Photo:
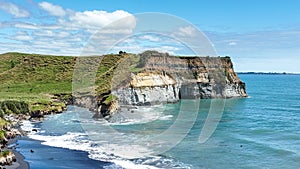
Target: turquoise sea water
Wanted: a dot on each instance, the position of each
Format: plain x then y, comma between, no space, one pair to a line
262,131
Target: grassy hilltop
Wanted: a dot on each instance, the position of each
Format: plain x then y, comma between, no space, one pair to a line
34,79
41,80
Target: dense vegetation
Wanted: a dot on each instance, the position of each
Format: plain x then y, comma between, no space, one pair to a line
12,106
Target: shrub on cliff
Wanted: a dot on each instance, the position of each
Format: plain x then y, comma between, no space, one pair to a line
5,153
109,98
2,135
1,113
11,106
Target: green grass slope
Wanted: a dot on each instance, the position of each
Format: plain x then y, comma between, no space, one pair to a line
38,79
34,78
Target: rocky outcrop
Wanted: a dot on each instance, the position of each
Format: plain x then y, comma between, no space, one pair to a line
52,109
7,158
106,110
149,88
87,101
167,79
103,105
7,132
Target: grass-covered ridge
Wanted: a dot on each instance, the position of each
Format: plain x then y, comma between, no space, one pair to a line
40,80
34,79
35,74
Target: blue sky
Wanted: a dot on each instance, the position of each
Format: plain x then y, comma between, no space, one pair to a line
259,35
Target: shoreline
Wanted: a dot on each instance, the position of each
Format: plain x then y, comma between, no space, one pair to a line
20,158
22,164
49,157
14,132
43,155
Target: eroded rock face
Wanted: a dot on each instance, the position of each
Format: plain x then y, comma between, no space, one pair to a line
167,79
7,159
87,101
149,88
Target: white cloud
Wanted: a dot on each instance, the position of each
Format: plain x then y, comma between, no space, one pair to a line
22,37
195,40
70,33
98,19
167,49
186,31
26,26
51,34
150,38
13,10
232,43
53,10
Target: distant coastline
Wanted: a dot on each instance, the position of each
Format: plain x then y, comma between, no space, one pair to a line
268,73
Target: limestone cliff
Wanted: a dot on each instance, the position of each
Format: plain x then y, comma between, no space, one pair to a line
167,79
149,88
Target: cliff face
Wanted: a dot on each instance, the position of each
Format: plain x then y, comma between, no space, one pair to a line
167,79
149,88
155,78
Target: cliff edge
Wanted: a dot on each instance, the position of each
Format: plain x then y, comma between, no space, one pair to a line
166,79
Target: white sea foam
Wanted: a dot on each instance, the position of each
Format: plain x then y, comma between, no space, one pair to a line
166,117
73,141
131,165
80,142
141,115
27,126
118,148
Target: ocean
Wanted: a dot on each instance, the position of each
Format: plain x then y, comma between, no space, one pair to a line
261,131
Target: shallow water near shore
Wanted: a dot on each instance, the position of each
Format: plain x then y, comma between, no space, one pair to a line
45,157
262,131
